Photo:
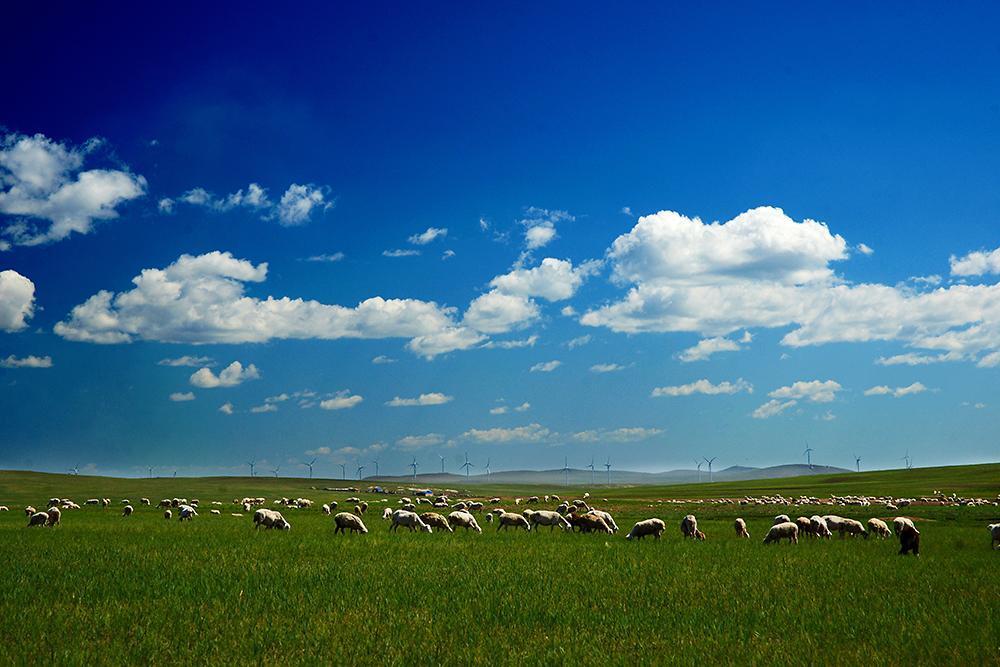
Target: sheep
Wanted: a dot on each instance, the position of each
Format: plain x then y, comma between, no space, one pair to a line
127,510
215,512
489,518
788,530
804,524
333,505
781,518
511,519
144,501
126,501
106,502
435,520
608,519
270,519
699,535
589,523
494,501
899,522
357,510
819,527
346,521
532,499
563,508
4,508
387,513
833,522
654,527
475,507
38,519
29,510
994,529
852,527
407,507
409,519
186,512
54,501
362,507
326,509
878,527
54,516
168,515
586,495
92,501
689,526
741,528
909,540
165,503
547,518
555,498
352,499
464,520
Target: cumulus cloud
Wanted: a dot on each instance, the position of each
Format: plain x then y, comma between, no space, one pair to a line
511,344
226,408
266,407
44,187
230,376
296,206
180,397
425,237
342,400
202,299
412,442
17,301
706,347
897,392
976,263
327,258
815,391
704,387
553,279
433,398
29,361
504,409
383,359
631,434
546,366
773,408
400,252
496,312
540,226
298,203
447,254
865,249
606,368
319,451
579,341
911,359
530,433
187,360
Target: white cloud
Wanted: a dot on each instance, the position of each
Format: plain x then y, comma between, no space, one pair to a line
382,359
400,252
976,263
540,225
298,203
898,392
553,279
815,391
43,185
266,407
412,442
495,312
579,341
279,398
606,368
447,254
511,344
991,360
504,409
530,433
546,366
911,359
827,416
319,451
626,210
704,387
226,408
772,408
568,311
706,347
425,237
230,376
342,400
433,398
17,300
179,397
499,410
187,360
202,299
865,249
524,407
631,434
29,361
295,207
327,258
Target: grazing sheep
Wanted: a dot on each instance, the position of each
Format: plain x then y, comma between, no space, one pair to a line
804,524
270,519
407,507
532,499
586,495
787,530
435,520
555,498
106,502
54,501
608,519
345,521
362,507
357,510
127,510
92,501
654,527
475,507
852,528
409,519
464,520
547,518
589,523
326,509
186,512
899,522
215,512
54,516
994,529
563,508
781,518
689,525
333,505
909,540
29,510
511,519
387,513
38,519
698,535
4,508
879,527
819,527
168,515
494,501
741,528
489,518
833,522
144,501
165,503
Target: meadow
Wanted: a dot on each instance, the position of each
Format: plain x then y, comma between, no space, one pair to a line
103,589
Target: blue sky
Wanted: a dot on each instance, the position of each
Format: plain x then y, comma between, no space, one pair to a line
167,179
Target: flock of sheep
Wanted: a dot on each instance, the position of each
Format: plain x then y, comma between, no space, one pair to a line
568,515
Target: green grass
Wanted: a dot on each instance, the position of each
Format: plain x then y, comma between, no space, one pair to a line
102,589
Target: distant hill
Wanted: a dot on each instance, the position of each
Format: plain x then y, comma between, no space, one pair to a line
583,477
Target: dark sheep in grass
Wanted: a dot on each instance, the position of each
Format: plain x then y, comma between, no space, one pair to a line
909,541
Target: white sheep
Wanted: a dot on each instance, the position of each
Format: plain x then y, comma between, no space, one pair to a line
4,508
465,520
167,514
787,530
270,519
408,519
29,510
326,509
741,528
819,526
435,520
215,512
144,501
879,527
186,512
689,526
852,527
345,521
546,518
654,527
510,519
994,529
781,518
899,522
38,519
608,519
127,510
54,516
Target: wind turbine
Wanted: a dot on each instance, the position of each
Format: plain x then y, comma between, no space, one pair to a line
343,471
75,470
608,466
175,474
909,461
275,471
591,466
467,465
487,468
360,468
442,463
310,466
857,462
699,464
710,462
414,465
565,470
250,463
808,453
150,468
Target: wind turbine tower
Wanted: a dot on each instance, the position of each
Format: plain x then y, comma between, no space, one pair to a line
310,466
608,466
808,453
857,462
566,471
710,461
414,465
252,463
467,465
699,464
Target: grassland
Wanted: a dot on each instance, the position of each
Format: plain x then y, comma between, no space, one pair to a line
102,589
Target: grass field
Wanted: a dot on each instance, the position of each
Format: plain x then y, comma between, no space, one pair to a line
102,589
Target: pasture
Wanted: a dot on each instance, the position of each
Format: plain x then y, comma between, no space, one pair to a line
103,589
